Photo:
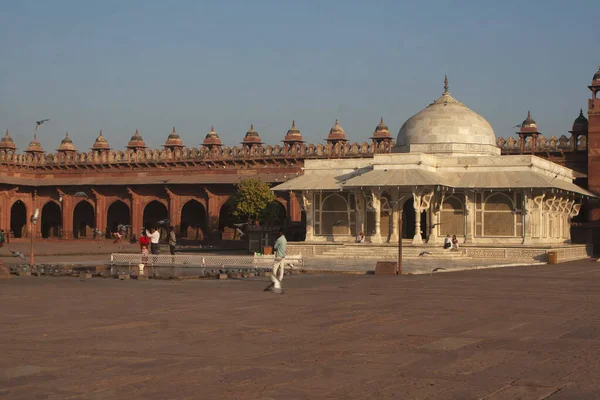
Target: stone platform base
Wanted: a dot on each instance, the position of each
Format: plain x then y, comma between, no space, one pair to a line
565,252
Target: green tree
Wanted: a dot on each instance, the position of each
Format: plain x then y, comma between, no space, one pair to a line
251,199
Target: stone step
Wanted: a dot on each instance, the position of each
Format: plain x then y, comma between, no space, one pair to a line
391,254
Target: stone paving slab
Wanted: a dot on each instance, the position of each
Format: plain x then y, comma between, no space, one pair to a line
510,333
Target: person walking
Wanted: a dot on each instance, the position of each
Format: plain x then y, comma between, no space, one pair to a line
278,264
172,241
2,238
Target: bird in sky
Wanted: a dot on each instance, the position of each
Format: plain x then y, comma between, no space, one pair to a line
437,269
424,253
517,126
17,254
38,123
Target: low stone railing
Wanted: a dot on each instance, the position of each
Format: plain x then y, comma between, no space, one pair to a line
197,260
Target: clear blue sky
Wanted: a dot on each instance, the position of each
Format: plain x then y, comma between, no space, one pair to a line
120,65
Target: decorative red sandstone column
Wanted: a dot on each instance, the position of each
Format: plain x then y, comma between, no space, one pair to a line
136,213
100,223
174,209
67,217
213,218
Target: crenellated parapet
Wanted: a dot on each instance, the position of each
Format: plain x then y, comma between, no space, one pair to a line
541,144
193,155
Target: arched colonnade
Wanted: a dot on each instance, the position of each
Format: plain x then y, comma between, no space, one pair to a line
95,215
482,216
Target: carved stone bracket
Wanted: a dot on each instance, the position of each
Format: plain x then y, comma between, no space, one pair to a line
549,202
133,194
538,201
422,200
306,200
575,210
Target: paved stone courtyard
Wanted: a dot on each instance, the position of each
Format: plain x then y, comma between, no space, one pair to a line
510,333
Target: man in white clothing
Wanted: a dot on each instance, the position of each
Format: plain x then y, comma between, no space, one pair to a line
154,238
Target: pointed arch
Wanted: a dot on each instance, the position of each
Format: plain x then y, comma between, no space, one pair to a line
452,217
118,213
334,215
498,216
83,220
193,220
18,219
51,220
153,212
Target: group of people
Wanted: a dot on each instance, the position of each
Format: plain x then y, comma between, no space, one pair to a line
150,241
451,243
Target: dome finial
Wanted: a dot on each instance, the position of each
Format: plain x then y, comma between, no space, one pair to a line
446,84
67,135
6,133
293,124
580,113
528,114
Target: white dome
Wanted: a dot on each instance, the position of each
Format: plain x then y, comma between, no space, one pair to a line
447,126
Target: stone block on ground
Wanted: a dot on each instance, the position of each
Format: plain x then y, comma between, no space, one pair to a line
124,277
222,276
85,275
234,275
386,268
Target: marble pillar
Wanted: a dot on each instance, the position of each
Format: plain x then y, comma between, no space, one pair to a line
469,216
360,211
396,205
307,203
375,197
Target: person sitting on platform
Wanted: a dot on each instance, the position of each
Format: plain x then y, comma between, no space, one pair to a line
447,242
454,243
360,238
